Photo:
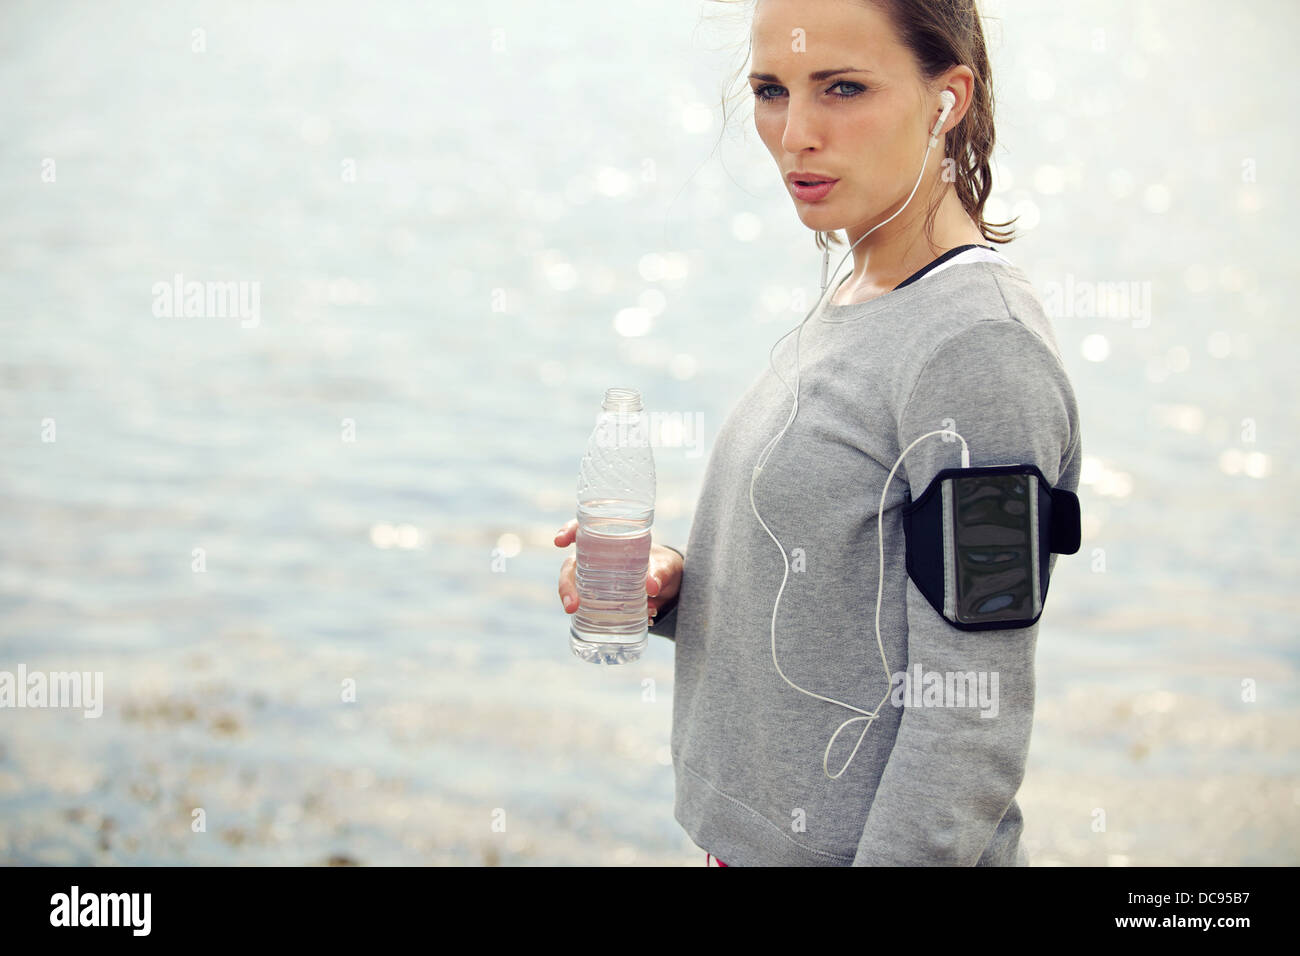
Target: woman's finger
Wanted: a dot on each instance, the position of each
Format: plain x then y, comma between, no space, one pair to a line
568,588
660,577
568,531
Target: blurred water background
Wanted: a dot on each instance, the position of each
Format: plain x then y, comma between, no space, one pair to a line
465,221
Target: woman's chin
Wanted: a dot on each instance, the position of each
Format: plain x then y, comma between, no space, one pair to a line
818,221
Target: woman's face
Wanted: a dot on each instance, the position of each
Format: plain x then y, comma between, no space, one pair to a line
865,127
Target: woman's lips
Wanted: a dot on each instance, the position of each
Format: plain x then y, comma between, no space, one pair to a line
813,193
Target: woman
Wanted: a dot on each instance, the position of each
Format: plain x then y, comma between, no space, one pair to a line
933,331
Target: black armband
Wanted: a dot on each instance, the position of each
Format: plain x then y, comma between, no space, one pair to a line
979,541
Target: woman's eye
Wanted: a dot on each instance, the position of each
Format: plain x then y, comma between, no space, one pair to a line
765,94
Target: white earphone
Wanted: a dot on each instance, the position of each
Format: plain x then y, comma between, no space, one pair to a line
948,100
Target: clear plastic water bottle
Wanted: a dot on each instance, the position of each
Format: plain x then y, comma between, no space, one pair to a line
616,507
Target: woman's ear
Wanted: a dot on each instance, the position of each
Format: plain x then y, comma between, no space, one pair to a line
960,81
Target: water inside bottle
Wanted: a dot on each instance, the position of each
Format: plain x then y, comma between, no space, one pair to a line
610,625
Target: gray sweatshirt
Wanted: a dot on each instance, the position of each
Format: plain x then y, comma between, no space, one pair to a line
970,348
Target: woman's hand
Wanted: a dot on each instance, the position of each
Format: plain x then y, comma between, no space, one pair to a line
662,581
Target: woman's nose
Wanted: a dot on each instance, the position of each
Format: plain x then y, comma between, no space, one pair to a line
800,132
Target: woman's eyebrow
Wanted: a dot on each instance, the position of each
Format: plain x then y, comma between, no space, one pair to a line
813,77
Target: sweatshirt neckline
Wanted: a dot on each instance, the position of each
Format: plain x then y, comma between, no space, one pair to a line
833,314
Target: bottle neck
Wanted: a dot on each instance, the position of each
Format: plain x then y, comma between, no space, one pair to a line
622,400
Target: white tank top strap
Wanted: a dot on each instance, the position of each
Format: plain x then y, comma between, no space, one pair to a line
969,255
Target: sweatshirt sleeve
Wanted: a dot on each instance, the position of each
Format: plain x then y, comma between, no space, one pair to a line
665,624
953,771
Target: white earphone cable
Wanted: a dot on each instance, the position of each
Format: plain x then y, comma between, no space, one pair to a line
767,450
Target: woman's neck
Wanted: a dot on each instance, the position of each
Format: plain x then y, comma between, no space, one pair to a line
901,248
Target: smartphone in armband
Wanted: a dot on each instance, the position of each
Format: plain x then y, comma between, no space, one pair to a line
979,541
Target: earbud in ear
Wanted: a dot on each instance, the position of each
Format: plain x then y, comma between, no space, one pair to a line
949,100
